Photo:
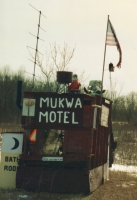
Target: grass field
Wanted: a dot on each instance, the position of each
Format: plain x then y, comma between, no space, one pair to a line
122,185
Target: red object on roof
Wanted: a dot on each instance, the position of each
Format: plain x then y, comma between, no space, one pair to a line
75,85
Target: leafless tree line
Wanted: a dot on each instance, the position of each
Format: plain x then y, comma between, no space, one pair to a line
124,108
57,59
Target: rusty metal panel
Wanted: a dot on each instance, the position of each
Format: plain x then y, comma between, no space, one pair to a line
59,180
88,116
84,146
62,180
76,146
102,143
100,146
87,146
76,141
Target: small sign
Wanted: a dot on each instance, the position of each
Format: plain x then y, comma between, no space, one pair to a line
12,143
104,116
52,158
28,107
11,148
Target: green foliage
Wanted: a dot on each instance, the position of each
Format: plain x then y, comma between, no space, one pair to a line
9,112
124,108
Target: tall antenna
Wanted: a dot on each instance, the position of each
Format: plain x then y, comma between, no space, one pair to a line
36,50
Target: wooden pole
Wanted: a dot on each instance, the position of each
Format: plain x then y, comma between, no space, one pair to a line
104,62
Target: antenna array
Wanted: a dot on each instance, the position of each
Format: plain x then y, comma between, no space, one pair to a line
36,49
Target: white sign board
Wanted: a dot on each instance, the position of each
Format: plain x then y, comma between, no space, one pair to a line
28,107
104,116
12,142
52,158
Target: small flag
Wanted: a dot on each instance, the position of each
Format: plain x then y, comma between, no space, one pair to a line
111,40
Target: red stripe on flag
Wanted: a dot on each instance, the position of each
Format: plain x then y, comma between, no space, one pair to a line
111,40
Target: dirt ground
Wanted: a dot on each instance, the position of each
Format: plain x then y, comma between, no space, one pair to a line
121,186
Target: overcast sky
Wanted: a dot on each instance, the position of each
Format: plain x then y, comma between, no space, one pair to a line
80,23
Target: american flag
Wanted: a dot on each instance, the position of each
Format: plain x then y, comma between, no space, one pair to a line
111,40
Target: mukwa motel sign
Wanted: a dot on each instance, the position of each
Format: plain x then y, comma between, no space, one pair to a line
54,109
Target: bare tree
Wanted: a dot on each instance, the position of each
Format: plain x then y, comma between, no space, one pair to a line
131,107
57,59
114,95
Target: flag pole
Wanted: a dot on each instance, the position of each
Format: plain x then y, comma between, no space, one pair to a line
102,94
104,62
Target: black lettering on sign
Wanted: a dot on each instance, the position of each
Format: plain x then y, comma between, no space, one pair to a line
14,168
5,168
15,159
6,158
11,159
10,168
